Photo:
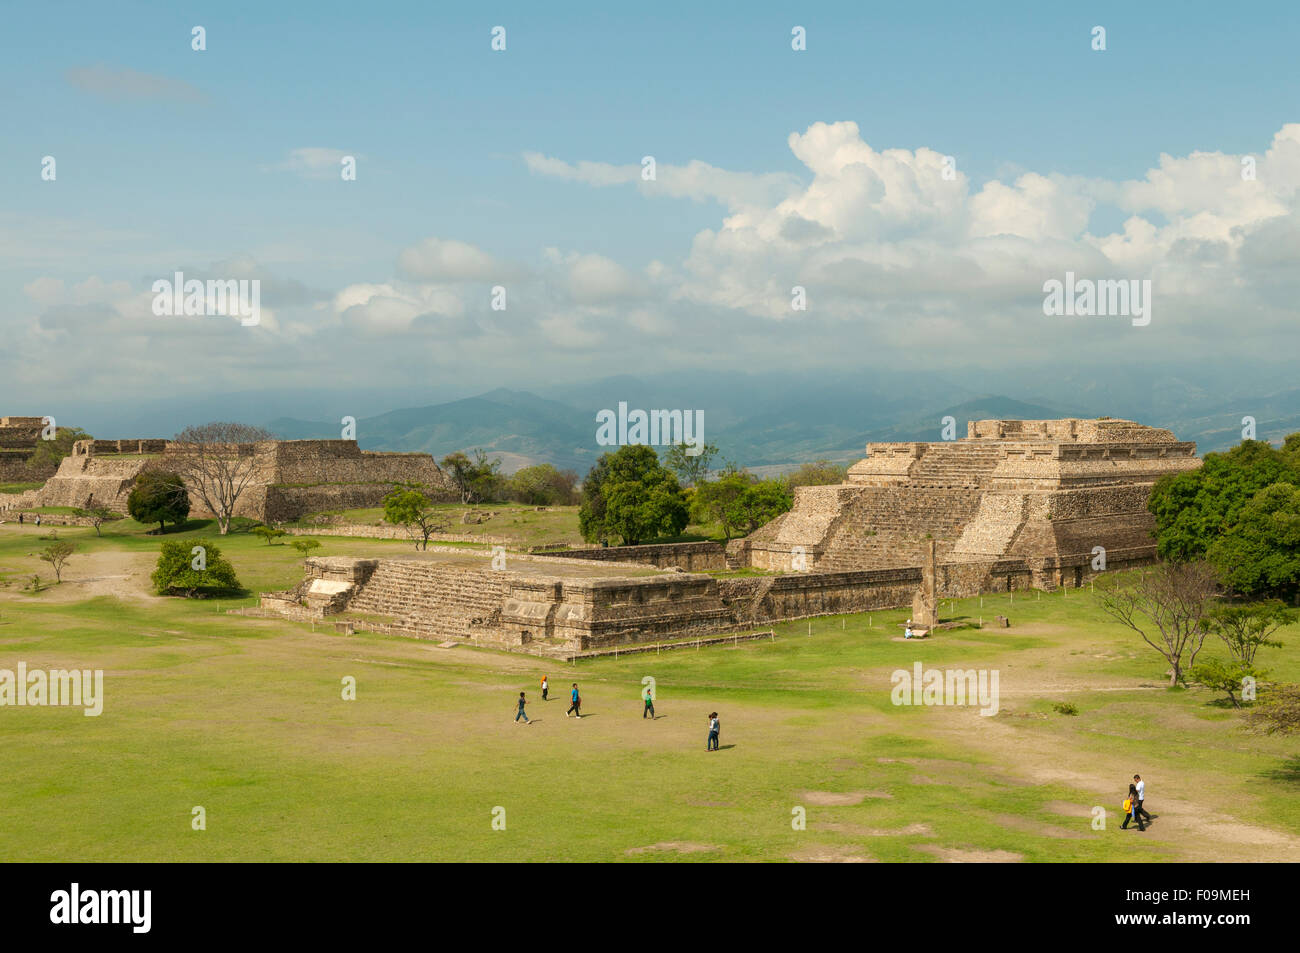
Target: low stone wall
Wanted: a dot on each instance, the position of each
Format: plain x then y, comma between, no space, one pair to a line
688,557
582,614
800,595
371,531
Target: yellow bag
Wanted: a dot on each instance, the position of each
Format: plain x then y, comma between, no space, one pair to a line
1128,804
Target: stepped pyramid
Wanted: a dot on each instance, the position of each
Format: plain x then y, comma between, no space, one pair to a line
1037,490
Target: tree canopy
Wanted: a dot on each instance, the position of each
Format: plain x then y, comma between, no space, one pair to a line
1259,554
629,494
181,569
1193,508
159,497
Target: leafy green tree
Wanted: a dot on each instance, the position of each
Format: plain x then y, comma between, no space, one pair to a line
1246,628
159,497
818,473
182,570
758,504
1260,553
690,469
543,485
458,467
591,512
629,494
1226,677
268,533
1193,508
713,500
639,513
305,546
97,516
57,554
412,507
476,480
1278,711
50,453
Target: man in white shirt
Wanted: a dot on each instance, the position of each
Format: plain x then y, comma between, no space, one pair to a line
1141,789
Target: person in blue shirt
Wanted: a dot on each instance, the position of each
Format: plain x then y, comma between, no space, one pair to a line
576,706
520,713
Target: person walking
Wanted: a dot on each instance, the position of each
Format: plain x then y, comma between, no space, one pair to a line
649,704
1131,810
521,713
545,687
1140,787
714,730
575,706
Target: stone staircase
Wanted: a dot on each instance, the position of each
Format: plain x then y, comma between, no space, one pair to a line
433,602
958,464
888,526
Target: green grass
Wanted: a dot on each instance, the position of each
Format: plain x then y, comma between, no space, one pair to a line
20,487
524,525
243,716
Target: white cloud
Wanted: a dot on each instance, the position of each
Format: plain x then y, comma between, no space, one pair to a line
313,162
696,180
438,259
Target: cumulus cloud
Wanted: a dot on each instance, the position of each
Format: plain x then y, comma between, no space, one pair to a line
439,259
903,259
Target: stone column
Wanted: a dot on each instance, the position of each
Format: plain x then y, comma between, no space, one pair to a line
925,604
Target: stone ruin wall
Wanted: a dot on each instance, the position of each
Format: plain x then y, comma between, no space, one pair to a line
1020,510
291,478
689,557
1052,489
18,441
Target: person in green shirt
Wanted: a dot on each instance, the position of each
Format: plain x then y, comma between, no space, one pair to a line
649,704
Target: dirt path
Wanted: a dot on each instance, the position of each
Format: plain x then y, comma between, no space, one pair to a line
87,575
1187,819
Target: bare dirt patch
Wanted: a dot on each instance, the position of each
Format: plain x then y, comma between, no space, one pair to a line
960,855
825,854
105,573
857,830
1192,825
672,847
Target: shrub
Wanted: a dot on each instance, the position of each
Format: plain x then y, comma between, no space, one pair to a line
182,570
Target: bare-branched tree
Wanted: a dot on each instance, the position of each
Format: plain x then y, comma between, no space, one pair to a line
218,464
1168,607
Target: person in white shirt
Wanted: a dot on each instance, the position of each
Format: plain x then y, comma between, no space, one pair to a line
1141,793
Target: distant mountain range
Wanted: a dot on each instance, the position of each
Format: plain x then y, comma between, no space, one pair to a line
765,424
769,421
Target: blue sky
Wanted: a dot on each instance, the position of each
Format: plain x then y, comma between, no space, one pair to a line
170,158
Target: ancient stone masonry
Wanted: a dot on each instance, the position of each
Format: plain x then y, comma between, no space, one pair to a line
18,441
1015,505
1052,492
290,477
